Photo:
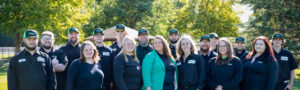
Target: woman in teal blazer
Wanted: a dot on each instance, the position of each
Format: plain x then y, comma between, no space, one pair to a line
159,69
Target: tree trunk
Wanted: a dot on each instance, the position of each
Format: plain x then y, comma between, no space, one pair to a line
18,42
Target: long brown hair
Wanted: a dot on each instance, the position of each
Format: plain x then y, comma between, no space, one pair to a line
229,52
126,39
179,50
166,48
268,50
95,56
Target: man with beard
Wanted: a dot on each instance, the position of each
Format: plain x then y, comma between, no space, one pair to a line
173,37
214,41
106,60
31,69
120,33
58,57
286,61
205,53
144,47
239,49
71,49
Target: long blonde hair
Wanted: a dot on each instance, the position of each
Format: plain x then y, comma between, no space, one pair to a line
179,50
126,39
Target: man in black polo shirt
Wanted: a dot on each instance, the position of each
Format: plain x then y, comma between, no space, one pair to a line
31,69
106,60
239,48
58,57
120,32
286,61
173,37
213,41
144,47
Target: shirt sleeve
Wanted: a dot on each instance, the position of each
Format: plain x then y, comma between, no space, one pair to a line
119,69
272,74
50,74
237,78
12,83
72,76
293,64
147,69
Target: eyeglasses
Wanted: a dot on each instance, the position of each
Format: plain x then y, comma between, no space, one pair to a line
120,31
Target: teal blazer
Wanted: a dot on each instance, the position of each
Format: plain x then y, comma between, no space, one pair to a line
153,70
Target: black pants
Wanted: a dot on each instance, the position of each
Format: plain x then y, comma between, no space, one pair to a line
169,87
188,88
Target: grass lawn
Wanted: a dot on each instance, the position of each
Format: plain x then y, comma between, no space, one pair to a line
5,56
3,79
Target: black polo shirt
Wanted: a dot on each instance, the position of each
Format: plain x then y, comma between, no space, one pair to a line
115,48
286,62
242,55
173,50
106,63
142,52
31,72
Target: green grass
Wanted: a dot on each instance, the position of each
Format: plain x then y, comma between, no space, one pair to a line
5,56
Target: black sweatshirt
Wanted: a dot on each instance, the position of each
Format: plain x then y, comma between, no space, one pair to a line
169,74
106,62
82,75
61,57
242,55
31,72
173,50
262,74
127,74
286,63
191,72
115,48
228,75
141,52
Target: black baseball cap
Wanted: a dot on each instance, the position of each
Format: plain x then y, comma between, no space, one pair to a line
173,30
30,33
73,29
211,35
204,37
277,35
98,30
120,26
242,39
141,31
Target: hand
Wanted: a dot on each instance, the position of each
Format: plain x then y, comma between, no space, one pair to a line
111,85
54,62
148,88
59,67
288,87
219,87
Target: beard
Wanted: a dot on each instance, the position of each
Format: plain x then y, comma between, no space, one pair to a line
173,41
204,50
144,44
30,48
239,49
47,47
73,42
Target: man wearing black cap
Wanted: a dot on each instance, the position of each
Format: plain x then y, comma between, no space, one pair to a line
58,57
214,41
239,48
173,37
72,48
31,69
106,56
286,61
205,53
120,33
144,47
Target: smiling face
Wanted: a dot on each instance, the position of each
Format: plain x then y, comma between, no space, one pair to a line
204,45
277,42
185,45
129,46
158,44
260,46
120,33
88,51
173,37
239,45
73,37
98,38
47,41
213,41
223,48
143,39
31,43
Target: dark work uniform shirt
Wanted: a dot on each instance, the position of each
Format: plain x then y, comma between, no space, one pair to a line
169,74
262,74
84,76
286,63
173,50
191,72
242,55
207,57
61,57
106,62
127,74
227,75
141,52
115,48
30,72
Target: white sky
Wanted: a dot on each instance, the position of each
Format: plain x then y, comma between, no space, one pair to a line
245,12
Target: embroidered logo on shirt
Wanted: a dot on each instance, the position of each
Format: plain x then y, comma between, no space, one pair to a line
105,53
191,62
284,58
114,49
21,60
229,64
178,64
40,59
260,62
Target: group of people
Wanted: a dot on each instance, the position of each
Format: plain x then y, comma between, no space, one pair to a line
126,65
